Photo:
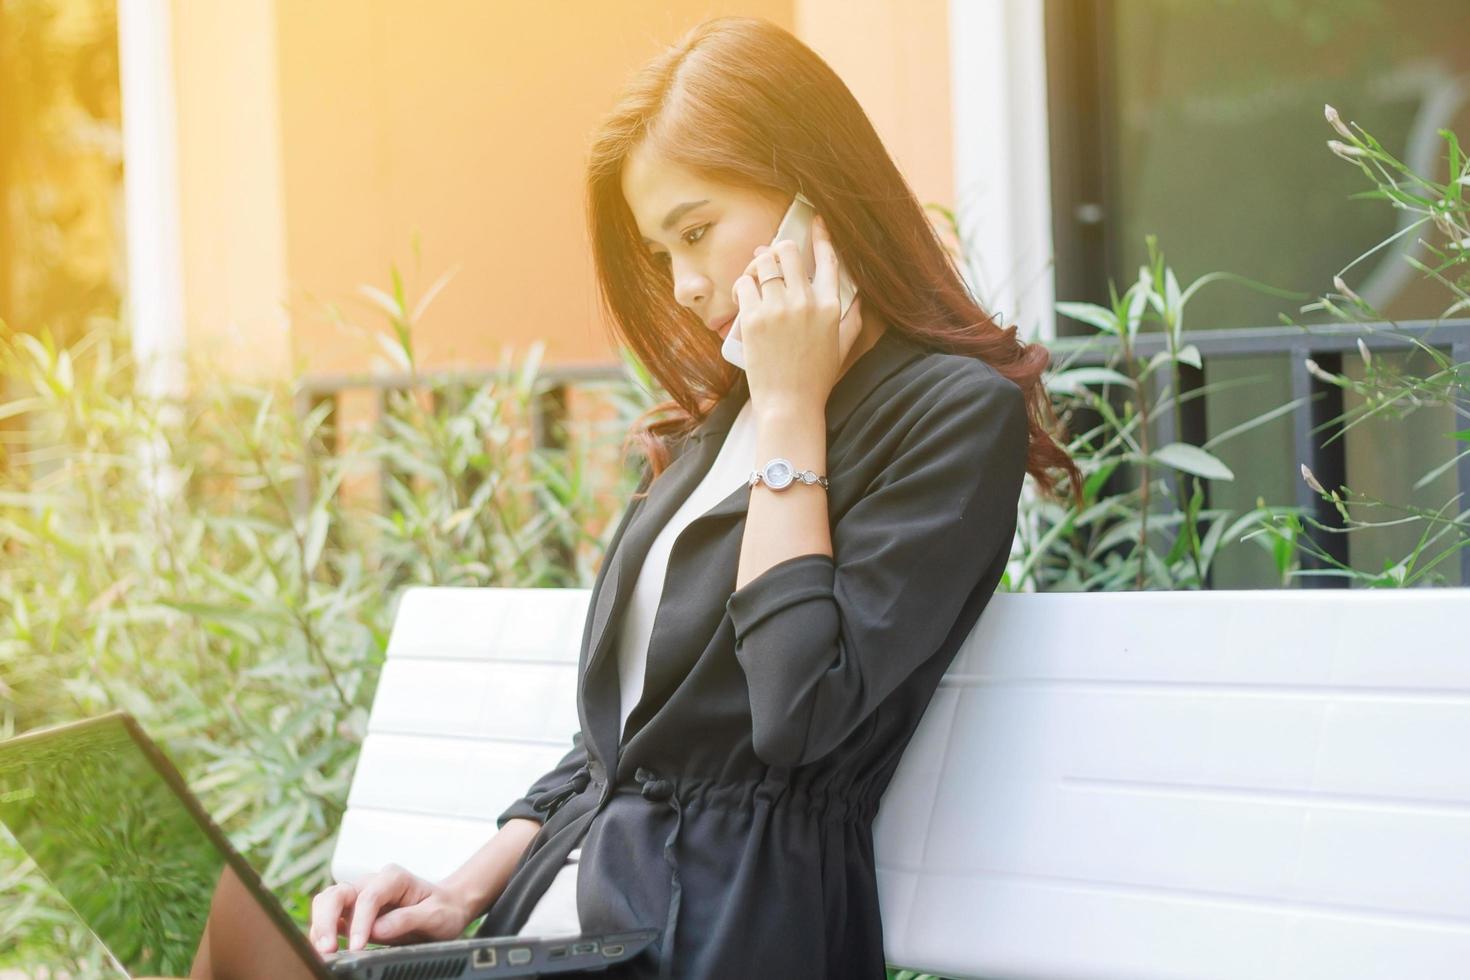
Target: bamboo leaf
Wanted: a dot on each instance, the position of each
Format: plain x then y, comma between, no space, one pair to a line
20,406
1192,459
1077,377
316,536
433,291
1089,313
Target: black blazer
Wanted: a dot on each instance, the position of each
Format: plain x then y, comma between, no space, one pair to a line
736,814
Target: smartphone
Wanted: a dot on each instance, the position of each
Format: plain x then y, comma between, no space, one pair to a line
796,226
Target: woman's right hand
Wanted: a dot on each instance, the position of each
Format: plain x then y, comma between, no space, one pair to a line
391,906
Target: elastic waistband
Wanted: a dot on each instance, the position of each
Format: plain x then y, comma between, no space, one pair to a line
743,795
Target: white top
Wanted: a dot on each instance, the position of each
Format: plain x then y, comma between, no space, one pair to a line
730,470
556,912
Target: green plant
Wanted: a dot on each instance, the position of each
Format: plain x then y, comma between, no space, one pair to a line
1383,391
1155,533
200,561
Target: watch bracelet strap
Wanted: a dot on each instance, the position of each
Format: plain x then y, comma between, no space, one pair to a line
809,477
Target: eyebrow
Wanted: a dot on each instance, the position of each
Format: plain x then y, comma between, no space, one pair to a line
677,212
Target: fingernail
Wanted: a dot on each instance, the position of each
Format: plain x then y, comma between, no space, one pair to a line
325,945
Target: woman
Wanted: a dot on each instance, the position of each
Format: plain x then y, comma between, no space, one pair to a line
731,760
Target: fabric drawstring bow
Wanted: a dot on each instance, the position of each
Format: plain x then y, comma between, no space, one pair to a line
657,789
552,799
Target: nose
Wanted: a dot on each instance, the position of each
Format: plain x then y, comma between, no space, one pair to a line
692,287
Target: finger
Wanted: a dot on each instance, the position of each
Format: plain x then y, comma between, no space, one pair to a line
824,278
748,299
326,915
400,922
768,274
750,267
793,267
327,908
389,923
364,911
329,944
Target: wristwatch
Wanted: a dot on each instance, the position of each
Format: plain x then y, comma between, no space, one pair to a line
778,474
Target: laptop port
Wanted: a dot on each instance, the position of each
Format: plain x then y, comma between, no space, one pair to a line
517,955
581,948
557,953
484,957
612,949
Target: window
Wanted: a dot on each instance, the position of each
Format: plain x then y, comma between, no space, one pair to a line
1201,121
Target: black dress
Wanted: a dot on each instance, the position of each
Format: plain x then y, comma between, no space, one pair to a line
736,812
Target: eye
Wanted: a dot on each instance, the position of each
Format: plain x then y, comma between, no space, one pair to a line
662,258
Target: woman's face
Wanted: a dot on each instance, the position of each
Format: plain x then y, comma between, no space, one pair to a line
705,247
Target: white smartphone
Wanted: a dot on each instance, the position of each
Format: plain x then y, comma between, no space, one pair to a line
796,226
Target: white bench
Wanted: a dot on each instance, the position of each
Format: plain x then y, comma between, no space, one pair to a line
1147,785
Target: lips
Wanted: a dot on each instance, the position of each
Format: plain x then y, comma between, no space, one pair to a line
723,327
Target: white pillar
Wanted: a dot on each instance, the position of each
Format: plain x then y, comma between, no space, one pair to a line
155,283
154,302
1002,161
1003,174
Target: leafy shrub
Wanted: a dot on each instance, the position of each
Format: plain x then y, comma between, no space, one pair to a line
202,562
1155,533
1430,206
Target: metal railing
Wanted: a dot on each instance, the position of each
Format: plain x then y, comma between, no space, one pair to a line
1321,401
1311,425
548,408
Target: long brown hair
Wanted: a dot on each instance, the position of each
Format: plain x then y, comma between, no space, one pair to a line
742,102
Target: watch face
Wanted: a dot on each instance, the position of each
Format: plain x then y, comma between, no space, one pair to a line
778,474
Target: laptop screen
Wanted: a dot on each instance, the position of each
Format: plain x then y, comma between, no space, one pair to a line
103,826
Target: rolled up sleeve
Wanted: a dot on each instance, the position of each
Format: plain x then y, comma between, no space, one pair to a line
823,640
569,764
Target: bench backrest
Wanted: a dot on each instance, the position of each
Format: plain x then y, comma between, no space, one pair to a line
1192,785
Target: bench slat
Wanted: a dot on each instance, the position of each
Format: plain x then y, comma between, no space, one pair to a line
1185,786
999,927
458,622
473,780
429,846
482,699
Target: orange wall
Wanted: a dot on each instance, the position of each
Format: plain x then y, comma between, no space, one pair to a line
895,58
232,217
461,124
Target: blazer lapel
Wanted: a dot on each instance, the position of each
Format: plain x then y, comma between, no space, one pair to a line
600,693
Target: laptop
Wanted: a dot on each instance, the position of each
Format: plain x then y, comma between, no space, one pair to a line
111,824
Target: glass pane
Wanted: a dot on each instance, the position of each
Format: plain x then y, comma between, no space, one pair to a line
1386,457
1260,458
1221,143
1220,150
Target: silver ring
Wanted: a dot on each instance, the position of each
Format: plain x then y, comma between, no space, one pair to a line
772,279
